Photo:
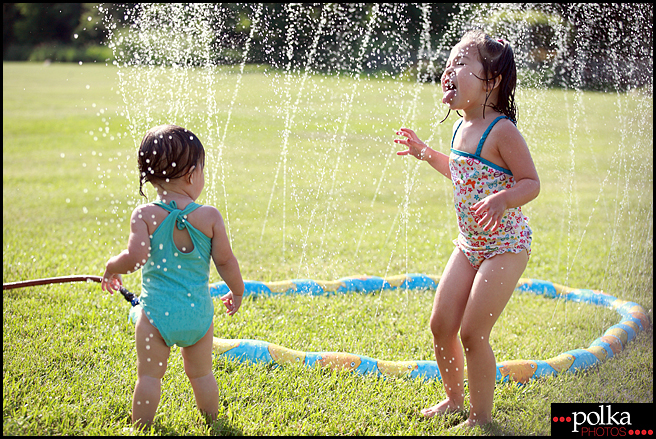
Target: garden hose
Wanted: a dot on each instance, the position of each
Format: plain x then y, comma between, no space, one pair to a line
134,300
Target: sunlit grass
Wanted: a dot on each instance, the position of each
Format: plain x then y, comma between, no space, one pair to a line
68,188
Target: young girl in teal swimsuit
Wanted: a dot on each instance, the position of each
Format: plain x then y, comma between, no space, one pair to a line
172,240
493,175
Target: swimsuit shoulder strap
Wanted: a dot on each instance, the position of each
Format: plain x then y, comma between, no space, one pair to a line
180,215
485,134
455,131
174,206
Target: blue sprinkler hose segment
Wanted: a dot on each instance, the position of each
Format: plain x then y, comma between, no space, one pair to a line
614,340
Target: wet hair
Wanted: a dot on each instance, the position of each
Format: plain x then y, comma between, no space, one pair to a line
167,152
498,59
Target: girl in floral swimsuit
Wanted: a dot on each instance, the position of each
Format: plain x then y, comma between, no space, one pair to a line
493,175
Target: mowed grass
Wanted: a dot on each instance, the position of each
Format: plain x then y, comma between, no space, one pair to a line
326,199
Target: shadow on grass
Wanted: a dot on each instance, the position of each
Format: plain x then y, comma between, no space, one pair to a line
494,428
223,428
220,427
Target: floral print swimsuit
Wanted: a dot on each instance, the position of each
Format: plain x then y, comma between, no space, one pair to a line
475,178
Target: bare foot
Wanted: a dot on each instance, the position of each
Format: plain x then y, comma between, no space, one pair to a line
445,407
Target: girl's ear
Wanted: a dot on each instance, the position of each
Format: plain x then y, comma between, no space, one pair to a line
495,83
189,176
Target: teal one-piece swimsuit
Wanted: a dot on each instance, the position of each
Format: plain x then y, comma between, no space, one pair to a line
175,285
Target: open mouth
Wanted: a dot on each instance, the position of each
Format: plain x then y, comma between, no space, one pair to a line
449,90
448,85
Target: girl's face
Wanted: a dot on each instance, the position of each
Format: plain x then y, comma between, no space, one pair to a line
462,89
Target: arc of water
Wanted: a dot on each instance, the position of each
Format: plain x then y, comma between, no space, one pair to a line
290,111
323,20
411,169
373,18
212,102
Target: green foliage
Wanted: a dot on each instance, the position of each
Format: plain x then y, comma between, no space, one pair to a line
68,350
69,53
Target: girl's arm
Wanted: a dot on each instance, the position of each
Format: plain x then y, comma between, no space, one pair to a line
514,152
227,265
131,259
421,151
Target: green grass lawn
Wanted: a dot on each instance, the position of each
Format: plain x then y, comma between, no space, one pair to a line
326,199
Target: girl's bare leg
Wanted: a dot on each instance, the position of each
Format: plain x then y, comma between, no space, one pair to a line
198,367
448,309
492,288
152,357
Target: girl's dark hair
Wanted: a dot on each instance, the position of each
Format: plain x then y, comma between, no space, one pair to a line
498,59
167,152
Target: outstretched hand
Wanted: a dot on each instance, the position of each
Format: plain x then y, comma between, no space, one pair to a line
415,146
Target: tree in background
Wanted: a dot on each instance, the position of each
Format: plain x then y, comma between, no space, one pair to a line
55,31
600,39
